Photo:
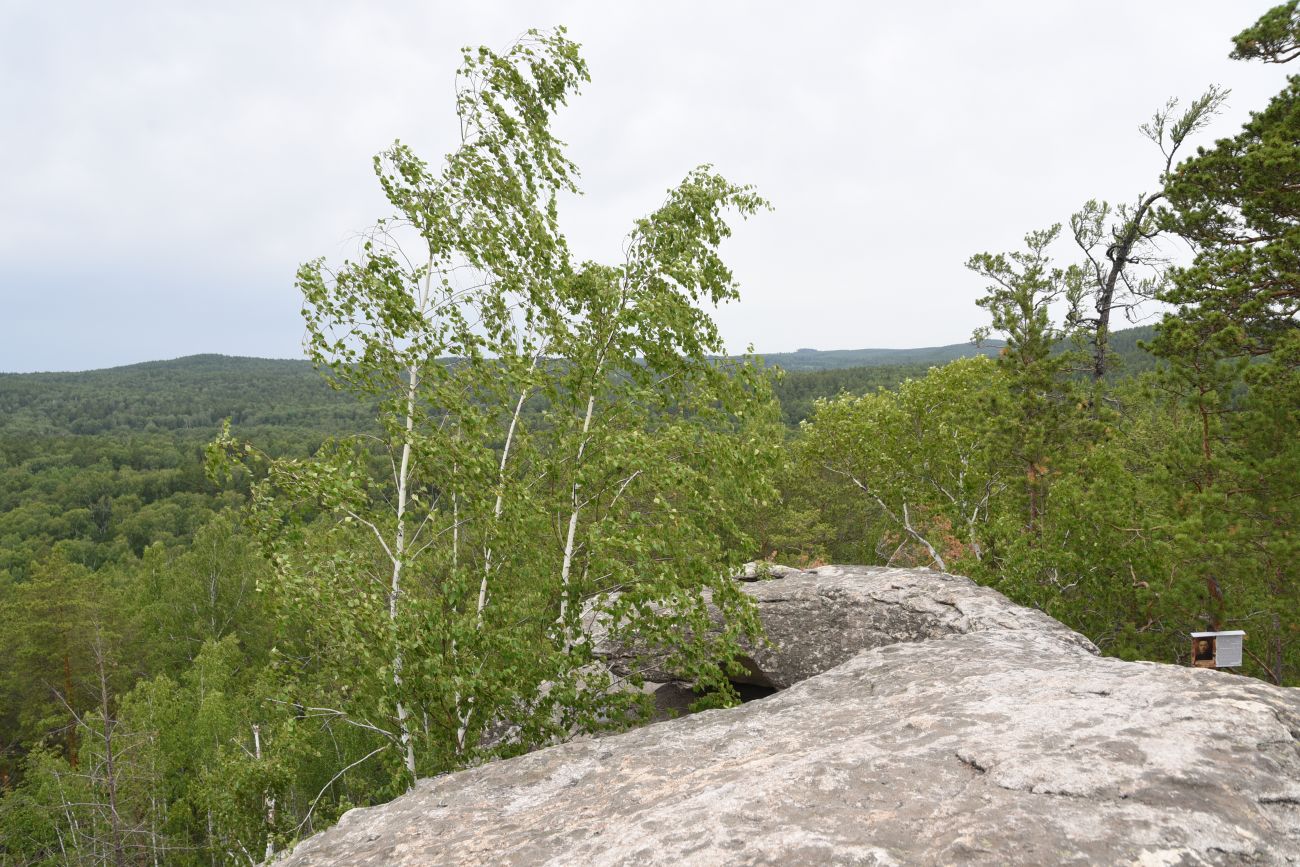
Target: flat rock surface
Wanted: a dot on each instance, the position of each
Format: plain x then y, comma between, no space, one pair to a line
818,619
1004,740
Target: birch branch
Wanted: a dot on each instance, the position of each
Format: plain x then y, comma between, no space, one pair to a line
905,521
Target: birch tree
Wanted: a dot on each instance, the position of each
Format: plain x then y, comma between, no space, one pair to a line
557,441
921,462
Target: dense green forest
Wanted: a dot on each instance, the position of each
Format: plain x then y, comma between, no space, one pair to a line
99,465
194,393
239,596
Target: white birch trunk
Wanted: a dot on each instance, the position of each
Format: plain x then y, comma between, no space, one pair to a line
566,567
399,543
500,500
395,584
463,717
269,800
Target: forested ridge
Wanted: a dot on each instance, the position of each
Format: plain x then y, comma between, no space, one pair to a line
192,393
101,464
198,392
240,596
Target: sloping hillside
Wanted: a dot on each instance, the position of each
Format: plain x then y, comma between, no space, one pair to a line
836,359
196,392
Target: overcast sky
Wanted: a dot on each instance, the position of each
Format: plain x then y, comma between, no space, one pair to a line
164,167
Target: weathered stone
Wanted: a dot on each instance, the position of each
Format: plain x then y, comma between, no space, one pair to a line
987,734
817,619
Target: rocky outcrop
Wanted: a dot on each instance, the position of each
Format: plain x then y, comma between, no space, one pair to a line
817,619
941,724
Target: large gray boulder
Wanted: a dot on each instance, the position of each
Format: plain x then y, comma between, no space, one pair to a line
984,733
817,619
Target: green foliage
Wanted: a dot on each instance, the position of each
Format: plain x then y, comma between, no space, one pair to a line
1136,511
538,449
919,462
1274,38
1233,353
435,584
1041,391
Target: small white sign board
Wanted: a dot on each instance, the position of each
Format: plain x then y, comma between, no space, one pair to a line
1217,649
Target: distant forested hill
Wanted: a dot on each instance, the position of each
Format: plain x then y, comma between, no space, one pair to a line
1123,343
1132,358
838,359
189,397
195,393
98,465
192,393
812,374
